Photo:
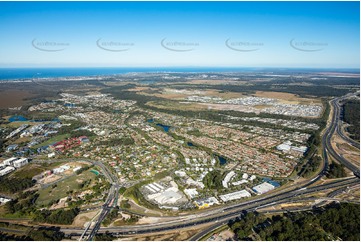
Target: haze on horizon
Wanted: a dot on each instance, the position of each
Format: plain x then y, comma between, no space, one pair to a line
173,34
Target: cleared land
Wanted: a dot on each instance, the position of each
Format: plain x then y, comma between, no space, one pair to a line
287,98
14,98
82,218
60,191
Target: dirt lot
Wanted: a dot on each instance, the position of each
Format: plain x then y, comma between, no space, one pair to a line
346,150
82,218
217,82
171,236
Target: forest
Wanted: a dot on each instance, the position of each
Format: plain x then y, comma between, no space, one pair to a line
334,222
351,115
59,216
13,185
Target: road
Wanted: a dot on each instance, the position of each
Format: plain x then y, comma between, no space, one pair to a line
109,203
226,214
326,140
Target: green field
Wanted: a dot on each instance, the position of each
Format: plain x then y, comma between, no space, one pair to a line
53,140
32,170
70,184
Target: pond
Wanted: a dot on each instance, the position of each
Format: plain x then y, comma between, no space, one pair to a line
165,127
190,144
222,160
17,118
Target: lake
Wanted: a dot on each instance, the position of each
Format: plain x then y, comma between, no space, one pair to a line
17,118
222,160
165,127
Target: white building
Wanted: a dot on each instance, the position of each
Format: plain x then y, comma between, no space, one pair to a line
301,149
228,177
180,173
51,155
10,161
239,182
283,147
76,168
7,170
169,196
21,162
245,176
191,193
263,188
4,200
235,195
252,177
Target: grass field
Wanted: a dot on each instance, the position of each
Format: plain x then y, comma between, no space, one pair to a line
31,170
53,140
70,184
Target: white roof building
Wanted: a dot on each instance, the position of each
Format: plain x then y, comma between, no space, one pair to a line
7,170
301,149
263,188
169,196
191,193
21,162
283,147
10,161
227,179
235,195
180,173
245,176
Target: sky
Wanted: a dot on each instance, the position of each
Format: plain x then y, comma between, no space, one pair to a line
180,34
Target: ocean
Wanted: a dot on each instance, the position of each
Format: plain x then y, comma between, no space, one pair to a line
25,73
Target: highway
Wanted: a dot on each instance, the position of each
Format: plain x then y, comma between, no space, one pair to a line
326,140
109,203
226,214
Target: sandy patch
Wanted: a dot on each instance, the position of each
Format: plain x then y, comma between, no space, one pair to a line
82,218
217,82
287,97
50,179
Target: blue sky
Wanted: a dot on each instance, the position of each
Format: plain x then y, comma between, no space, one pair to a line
259,34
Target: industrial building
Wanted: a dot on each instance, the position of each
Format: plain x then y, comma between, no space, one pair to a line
235,195
263,188
191,192
169,196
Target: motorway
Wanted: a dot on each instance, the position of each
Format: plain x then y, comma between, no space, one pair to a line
326,140
225,214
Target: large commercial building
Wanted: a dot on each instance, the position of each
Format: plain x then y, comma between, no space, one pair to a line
235,195
263,188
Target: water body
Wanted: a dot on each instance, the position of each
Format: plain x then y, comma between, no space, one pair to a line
150,120
17,118
25,73
165,127
190,144
222,160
